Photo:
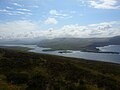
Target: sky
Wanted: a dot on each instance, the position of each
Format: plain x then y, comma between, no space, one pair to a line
59,18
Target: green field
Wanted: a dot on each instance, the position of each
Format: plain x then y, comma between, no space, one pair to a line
20,70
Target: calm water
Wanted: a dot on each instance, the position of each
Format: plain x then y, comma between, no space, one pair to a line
110,48
85,55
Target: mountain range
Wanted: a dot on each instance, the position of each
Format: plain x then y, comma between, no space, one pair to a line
84,44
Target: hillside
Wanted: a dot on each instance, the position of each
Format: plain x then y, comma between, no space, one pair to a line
115,40
29,71
83,44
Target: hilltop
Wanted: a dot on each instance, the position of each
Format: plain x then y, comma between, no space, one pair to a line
30,71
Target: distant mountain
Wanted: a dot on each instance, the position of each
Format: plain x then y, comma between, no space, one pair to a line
115,40
85,44
20,41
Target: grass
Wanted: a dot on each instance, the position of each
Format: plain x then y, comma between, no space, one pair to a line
31,71
16,48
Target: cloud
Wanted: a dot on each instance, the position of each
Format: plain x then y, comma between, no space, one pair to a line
105,29
94,30
4,10
16,4
23,9
58,14
27,29
17,26
12,12
51,21
20,13
9,8
104,4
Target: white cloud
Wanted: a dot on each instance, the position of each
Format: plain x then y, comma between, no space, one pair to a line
53,12
27,29
19,13
23,9
58,14
9,8
104,4
4,10
51,21
22,13
16,4
15,12
15,9
17,26
106,29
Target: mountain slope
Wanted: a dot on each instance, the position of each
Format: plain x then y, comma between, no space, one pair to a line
83,44
115,40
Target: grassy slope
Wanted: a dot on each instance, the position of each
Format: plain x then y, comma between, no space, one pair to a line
21,70
16,48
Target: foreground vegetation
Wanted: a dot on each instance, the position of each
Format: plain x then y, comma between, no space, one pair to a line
15,48
29,71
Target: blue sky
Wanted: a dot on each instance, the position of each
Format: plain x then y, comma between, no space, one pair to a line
56,14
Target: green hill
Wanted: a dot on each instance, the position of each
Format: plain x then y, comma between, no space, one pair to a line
30,71
83,44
